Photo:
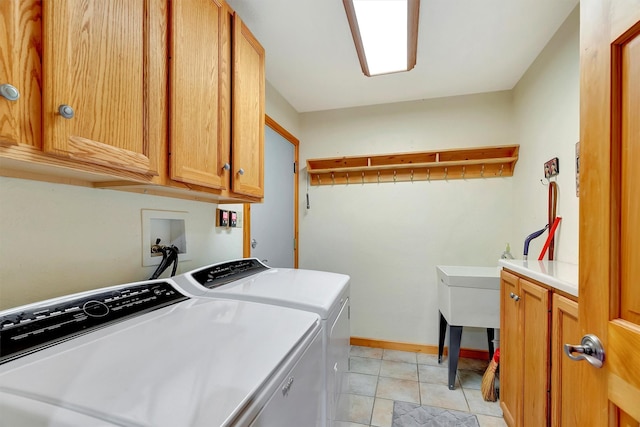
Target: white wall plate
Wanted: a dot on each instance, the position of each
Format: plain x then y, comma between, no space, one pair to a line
171,227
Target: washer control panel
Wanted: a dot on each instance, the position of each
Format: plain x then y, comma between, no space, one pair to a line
221,274
42,325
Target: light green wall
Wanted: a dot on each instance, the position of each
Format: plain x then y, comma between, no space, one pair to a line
390,237
546,105
58,239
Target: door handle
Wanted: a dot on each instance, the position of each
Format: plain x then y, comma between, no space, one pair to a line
254,243
590,349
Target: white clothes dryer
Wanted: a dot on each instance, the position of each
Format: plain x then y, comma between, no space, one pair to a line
324,293
145,354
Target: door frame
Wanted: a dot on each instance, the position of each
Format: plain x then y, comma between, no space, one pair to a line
246,233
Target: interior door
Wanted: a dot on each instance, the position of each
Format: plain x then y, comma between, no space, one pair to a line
272,222
609,297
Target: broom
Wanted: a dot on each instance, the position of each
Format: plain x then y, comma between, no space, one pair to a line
488,387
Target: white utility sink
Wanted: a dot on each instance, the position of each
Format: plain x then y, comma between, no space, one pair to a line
469,296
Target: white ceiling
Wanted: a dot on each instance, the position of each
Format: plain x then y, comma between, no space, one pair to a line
464,47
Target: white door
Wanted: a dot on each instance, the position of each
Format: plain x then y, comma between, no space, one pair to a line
272,222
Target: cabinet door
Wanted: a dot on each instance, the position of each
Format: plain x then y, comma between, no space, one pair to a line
534,306
93,63
565,374
248,112
20,38
199,85
510,350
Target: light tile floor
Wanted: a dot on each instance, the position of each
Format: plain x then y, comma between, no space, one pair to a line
378,377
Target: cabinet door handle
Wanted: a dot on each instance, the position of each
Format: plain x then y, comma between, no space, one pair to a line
9,92
66,111
514,296
240,171
226,166
590,349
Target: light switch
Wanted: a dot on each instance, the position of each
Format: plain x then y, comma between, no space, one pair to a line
222,218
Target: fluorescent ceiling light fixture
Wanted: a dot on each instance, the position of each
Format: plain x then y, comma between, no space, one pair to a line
385,33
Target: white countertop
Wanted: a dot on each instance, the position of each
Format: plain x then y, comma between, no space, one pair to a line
559,275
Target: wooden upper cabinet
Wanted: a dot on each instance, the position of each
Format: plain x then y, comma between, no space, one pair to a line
94,73
248,112
200,49
20,35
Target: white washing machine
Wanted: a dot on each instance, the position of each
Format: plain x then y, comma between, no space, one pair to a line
144,354
324,293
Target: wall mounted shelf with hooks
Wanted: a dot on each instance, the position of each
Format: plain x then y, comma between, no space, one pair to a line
464,163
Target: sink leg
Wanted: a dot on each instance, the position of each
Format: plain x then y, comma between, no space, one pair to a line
455,335
490,335
443,333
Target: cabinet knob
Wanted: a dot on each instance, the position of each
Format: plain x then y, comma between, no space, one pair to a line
9,92
226,166
240,171
66,111
514,296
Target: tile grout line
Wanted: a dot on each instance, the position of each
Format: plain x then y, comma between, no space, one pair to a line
458,379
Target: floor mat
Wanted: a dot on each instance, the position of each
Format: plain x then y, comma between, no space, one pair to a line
413,415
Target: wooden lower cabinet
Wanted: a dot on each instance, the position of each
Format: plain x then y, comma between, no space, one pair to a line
524,338
565,374
510,350
536,379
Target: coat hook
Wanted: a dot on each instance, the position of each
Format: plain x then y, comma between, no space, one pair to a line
446,171
363,177
463,170
549,180
501,168
482,171
319,180
378,177
333,180
411,175
394,176
428,174
347,178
